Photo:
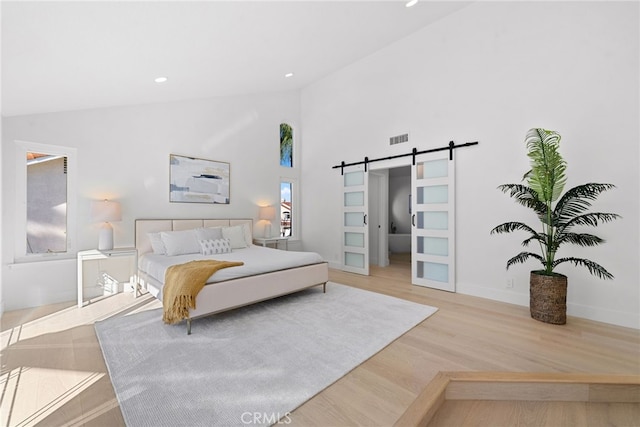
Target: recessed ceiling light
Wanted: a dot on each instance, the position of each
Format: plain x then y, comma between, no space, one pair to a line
411,3
160,79
289,75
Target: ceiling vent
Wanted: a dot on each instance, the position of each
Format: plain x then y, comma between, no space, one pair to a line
399,139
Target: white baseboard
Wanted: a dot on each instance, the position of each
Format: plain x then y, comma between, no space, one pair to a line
598,314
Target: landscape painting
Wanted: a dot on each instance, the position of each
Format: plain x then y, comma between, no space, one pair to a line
194,180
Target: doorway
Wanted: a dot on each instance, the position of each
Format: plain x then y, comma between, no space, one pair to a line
399,207
390,217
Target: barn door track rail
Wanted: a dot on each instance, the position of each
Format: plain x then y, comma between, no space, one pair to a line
413,153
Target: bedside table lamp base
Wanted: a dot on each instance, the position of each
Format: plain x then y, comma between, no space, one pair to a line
105,238
266,214
105,211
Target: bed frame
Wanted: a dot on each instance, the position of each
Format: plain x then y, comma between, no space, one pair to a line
230,294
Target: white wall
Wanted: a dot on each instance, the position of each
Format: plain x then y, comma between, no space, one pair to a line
123,154
489,73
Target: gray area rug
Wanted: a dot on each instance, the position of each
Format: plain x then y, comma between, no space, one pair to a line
252,365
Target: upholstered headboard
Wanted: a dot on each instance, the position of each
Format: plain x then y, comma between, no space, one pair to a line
144,226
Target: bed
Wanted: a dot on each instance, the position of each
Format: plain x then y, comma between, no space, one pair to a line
267,273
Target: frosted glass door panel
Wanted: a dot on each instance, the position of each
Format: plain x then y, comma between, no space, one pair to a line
433,222
433,245
433,169
354,239
354,260
354,198
433,194
433,271
353,178
354,219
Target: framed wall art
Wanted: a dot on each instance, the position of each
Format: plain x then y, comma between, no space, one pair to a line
194,180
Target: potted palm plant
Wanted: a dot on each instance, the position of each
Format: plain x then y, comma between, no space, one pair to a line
558,214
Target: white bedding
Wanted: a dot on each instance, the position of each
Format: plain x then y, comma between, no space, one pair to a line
257,260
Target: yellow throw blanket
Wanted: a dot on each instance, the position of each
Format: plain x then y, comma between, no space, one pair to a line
183,282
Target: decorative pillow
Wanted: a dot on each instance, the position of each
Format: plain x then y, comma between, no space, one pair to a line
180,242
156,243
236,236
215,246
210,233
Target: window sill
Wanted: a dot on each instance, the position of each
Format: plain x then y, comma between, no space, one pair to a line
35,259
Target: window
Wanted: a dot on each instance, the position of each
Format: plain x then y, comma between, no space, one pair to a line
289,208
286,209
46,203
286,145
43,186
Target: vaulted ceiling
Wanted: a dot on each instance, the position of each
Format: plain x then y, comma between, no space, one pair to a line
59,56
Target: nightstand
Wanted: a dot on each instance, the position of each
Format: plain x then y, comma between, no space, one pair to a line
107,269
264,241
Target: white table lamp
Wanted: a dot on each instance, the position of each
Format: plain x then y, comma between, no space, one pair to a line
105,211
267,213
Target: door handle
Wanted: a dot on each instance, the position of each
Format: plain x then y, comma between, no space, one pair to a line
365,219
413,220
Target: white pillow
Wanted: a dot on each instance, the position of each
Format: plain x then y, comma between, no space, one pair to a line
180,242
248,237
215,246
236,236
211,233
156,243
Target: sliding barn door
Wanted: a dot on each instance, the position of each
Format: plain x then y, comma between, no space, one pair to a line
355,231
433,222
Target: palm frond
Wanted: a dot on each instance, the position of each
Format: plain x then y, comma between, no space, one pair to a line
547,175
591,219
509,227
524,195
539,237
522,257
594,268
580,239
577,200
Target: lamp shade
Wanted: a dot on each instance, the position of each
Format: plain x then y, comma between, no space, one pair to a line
106,211
267,212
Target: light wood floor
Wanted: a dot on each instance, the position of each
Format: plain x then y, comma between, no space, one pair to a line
53,373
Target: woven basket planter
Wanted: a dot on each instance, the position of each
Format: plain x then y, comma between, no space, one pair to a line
548,298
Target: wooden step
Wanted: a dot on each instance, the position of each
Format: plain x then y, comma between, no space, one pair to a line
519,386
